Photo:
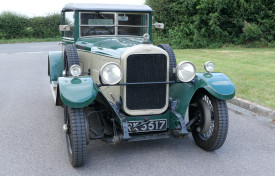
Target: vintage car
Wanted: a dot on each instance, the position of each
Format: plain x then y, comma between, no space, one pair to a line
115,85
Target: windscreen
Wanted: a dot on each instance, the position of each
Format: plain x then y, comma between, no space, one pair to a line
108,23
132,24
97,24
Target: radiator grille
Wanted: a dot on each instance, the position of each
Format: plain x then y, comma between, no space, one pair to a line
146,68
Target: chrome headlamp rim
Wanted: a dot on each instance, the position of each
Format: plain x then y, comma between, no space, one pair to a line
71,68
101,73
184,62
205,66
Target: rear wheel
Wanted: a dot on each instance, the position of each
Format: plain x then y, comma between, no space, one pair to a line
75,130
215,135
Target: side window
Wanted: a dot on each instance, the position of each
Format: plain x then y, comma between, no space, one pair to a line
69,20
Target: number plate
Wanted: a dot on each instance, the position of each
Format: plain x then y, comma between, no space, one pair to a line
151,125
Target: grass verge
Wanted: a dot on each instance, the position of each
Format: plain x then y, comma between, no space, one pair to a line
252,70
28,40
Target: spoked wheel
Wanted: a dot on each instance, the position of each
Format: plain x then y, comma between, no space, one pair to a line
75,131
210,128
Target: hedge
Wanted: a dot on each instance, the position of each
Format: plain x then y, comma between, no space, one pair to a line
213,23
14,26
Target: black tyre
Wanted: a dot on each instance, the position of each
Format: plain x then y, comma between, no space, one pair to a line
70,58
215,137
75,135
172,60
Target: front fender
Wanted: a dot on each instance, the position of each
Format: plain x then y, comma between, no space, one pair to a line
55,65
77,92
217,84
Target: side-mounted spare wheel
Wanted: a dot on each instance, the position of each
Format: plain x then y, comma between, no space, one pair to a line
211,125
70,58
75,127
76,137
172,60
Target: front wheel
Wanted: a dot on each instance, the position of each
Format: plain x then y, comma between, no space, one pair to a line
216,133
75,131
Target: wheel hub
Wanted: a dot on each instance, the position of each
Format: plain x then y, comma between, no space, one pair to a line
206,117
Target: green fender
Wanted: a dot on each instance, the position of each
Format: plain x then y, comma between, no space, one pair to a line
217,84
55,65
77,92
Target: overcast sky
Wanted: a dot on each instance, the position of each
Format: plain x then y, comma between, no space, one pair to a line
44,7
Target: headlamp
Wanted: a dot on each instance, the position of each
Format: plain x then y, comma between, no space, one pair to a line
111,73
186,71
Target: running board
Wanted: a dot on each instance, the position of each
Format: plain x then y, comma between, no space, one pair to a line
53,86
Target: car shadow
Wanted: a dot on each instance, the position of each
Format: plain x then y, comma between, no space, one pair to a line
113,158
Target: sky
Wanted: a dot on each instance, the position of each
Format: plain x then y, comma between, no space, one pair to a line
41,8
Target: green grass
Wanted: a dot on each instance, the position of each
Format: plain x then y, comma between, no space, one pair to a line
252,70
28,40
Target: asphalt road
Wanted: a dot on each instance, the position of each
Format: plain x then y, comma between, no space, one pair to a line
32,141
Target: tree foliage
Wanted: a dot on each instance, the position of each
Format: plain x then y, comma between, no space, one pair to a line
212,23
14,26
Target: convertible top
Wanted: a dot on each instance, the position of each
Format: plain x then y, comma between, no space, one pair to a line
106,7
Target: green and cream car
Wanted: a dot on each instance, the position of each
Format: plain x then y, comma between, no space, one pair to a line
115,85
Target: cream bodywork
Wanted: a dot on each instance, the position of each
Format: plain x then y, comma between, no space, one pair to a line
94,62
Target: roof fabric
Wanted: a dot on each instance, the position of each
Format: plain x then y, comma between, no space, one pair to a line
106,7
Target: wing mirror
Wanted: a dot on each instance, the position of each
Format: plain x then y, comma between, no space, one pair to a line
64,28
159,25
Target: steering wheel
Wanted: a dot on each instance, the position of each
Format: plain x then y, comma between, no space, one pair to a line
94,32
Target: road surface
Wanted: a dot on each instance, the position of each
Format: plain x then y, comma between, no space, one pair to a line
32,141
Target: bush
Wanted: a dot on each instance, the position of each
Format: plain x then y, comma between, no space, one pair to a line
45,27
213,23
252,32
13,26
